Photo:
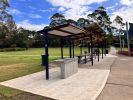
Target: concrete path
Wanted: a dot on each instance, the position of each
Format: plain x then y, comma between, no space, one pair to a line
119,85
113,51
87,84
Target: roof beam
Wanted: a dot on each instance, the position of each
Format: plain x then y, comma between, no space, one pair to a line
65,31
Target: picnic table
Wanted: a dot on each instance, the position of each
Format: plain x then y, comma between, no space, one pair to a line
84,58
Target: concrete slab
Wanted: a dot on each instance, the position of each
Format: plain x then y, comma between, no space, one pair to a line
116,92
85,85
103,64
120,81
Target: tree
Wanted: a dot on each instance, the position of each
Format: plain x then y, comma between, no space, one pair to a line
91,18
100,17
3,13
119,24
7,25
57,19
82,22
70,21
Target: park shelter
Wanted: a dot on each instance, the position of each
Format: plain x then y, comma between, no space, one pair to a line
74,33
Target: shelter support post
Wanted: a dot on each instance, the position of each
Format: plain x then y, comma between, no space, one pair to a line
88,47
61,44
102,50
98,51
46,55
70,47
73,48
91,49
105,48
81,47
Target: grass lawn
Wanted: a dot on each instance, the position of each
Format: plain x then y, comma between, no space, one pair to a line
118,49
20,63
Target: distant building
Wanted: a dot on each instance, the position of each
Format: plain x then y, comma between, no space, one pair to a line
130,32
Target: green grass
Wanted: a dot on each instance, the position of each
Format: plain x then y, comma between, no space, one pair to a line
40,51
118,49
9,92
19,63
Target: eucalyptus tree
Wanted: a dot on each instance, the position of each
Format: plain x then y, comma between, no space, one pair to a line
82,22
119,24
7,25
57,19
70,21
3,10
100,17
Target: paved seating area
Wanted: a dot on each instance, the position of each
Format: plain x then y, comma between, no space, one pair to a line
87,84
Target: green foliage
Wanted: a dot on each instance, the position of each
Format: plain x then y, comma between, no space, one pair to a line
82,22
12,49
57,19
70,21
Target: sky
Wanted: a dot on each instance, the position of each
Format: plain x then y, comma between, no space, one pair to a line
35,14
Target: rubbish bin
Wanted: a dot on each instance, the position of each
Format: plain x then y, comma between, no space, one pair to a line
43,60
107,51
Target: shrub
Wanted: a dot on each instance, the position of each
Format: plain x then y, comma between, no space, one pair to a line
13,46
12,49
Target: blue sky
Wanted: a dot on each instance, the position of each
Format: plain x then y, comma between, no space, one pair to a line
35,14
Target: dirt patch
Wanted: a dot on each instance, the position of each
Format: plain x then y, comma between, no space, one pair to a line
25,96
12,65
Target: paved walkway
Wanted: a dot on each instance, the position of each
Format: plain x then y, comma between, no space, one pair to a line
119,85
87,84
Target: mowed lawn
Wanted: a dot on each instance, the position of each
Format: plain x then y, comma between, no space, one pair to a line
20,63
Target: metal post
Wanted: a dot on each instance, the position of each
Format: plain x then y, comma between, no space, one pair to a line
98,51
105,48
88,47
73,48
102,51
128,41
91,50
70,49
61,44
46,54
81,47
123,43
120,42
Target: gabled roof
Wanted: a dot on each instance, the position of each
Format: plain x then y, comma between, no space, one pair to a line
75,32
64,30
95,28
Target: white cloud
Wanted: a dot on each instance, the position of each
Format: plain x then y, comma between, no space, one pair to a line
35,16
61,9
77,12
73,3
14,11
125,12
74,9
47,10
110,8
127,2
33,27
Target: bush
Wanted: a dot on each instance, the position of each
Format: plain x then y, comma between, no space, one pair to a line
12,49
118,45
13,46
